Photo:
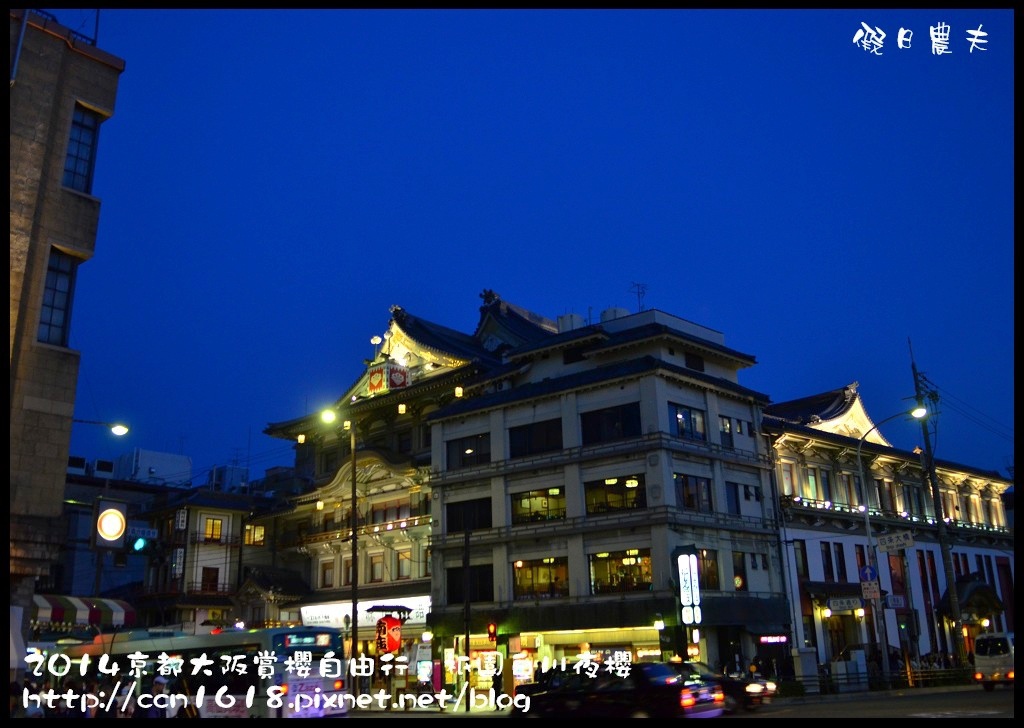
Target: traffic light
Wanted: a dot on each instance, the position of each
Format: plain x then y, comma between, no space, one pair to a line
492,631
141,545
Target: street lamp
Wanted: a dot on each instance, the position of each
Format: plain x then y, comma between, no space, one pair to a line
106,523
115,427
878,616
329,416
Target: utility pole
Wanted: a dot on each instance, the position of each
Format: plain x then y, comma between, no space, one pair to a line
945,548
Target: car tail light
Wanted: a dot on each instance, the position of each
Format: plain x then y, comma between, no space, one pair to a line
1009,674
978,676
686,698
339,684
719,695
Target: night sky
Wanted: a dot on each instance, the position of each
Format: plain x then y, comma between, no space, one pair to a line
273,181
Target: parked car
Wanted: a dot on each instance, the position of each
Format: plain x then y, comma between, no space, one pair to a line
746,692
649,690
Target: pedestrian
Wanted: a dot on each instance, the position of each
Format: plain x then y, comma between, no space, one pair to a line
153,710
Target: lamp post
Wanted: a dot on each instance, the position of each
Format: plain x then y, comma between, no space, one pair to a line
878,616
119,430
945,549
329,416
115,427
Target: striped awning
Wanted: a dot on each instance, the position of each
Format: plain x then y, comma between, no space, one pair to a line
52,609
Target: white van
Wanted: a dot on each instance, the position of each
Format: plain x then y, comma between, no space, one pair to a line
993,659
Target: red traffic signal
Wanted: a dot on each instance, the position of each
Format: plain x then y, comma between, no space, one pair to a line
492,631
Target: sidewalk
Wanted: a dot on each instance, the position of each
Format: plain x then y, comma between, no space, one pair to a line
858,695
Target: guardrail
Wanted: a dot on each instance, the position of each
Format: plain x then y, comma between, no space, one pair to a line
853,682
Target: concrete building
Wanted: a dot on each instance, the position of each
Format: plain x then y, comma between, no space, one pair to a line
157,468
577,484
825,515
62,89
601,460
417,369
552,476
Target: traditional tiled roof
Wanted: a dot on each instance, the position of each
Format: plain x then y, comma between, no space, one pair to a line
516,324
825,406
521,323
632,367
438,337
512,325
797,416
974,594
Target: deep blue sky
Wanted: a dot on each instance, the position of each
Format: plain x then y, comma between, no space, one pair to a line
273,181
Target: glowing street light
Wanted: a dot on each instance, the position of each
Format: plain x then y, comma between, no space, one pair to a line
115,427
872,558
328,416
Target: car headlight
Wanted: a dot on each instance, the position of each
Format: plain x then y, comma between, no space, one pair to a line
754,688
770,686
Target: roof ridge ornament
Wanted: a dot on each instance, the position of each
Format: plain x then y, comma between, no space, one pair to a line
489,296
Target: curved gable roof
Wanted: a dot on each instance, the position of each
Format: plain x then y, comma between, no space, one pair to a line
816,407
437,337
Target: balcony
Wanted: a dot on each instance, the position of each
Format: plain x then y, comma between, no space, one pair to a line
222,540
190,588
582,454
884,519
307,535
208,588
625,518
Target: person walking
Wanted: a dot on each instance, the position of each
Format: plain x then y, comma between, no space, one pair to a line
152,711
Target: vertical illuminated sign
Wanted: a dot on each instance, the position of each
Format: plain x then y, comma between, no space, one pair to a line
689,588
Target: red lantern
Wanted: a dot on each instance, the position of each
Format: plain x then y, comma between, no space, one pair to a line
389,634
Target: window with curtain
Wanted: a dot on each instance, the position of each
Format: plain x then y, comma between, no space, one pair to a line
693,493
616,493
404,564
620,571
707,570
543,578
212,529
686,422
530,506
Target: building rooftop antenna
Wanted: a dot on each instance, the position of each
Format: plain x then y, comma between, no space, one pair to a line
640,289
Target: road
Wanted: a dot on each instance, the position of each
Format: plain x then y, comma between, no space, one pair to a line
965,702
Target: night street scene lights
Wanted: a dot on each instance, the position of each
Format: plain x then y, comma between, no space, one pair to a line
115,427
329,416
878,616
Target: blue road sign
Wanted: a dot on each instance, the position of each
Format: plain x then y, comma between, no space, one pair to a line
868,573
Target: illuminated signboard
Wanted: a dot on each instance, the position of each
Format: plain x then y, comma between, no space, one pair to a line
689,588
